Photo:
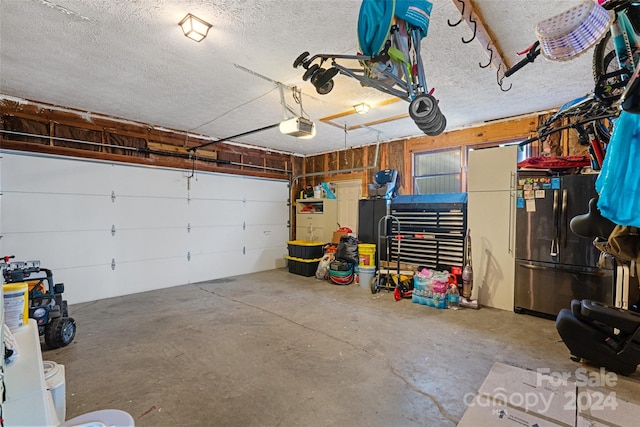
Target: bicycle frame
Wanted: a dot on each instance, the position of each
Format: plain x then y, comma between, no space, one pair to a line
625,41
621,42
584,115
604,102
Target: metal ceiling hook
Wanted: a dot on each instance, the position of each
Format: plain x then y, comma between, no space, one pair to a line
461,16
490,49
475,29
500,80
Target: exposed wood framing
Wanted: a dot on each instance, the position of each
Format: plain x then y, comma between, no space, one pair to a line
399,154
37,127
169,148
331,119
515,129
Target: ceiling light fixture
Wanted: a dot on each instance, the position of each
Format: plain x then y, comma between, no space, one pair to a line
194,27
361,108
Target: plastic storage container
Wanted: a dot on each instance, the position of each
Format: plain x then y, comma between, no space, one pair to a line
366,273
303,267
305,249
54,376
16,304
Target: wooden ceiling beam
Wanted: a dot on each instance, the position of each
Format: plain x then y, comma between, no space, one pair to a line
482,34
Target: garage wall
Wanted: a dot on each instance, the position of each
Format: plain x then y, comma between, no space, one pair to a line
109,229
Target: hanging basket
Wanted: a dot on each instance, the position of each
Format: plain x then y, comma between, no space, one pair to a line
567,35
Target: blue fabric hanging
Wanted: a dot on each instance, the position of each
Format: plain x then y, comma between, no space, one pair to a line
374,25
619,181
416,13
376,17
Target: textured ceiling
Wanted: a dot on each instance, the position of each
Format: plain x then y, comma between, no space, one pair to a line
129,58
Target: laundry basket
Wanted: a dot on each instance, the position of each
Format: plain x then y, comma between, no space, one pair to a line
567,35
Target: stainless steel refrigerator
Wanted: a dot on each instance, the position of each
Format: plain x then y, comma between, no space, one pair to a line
554,265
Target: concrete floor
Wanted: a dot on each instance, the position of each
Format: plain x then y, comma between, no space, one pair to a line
277,349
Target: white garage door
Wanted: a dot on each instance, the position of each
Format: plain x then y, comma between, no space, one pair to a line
108,229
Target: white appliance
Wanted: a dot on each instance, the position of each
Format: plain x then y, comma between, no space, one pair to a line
491,219
55,380
31,399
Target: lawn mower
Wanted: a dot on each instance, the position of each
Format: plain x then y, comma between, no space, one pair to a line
46,305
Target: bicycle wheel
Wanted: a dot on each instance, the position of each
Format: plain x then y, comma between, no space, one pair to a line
606,62
605,59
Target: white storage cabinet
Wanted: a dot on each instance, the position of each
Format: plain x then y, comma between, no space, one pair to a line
316,219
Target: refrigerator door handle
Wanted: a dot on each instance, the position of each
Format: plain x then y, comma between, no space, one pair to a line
598,272
563,219
554,238
512,202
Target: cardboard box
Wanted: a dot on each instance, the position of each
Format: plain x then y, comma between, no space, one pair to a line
604,408
337,235
512,396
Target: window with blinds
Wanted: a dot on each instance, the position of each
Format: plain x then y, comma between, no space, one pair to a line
437,172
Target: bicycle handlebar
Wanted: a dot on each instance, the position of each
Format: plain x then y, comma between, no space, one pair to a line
533,52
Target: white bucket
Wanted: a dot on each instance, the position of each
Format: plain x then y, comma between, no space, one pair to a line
317,192
55,380
366,274
16,304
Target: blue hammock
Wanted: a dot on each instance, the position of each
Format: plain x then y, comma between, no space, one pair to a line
376,18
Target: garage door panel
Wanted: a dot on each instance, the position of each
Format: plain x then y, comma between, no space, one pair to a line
216,240
216,186
143,212
215,212
266,258
61,249
265,236
266,212
40,175
155,227
149,244
134,181
54,212
266,190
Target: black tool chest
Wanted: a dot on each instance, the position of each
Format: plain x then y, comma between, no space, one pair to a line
431,228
